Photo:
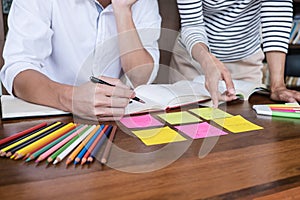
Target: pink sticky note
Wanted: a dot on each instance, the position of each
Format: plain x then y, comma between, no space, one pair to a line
140,121
200,130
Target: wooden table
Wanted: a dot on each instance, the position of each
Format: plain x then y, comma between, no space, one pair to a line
260,164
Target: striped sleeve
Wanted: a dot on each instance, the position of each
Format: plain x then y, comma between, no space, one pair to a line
192,24
276,19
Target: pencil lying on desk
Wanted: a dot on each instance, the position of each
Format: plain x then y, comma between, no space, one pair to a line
43,141
108,146
99,145
87,143
70,148
28,138
37,153
22,133
63,148
32,140
92,147
81,145
19,139
50,151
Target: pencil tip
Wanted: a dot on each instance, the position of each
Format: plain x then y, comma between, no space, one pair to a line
142,101
103,161
8,154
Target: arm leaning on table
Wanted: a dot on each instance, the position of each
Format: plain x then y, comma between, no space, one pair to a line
275,34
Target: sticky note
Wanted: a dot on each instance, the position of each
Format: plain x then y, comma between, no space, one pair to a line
158,136
140,121
210,113
237,124
179,117
200,130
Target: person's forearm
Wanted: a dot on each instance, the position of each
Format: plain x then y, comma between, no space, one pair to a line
137,63
200,53
276,63
35,87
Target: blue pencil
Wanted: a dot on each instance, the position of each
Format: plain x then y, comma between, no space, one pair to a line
99,145
87,146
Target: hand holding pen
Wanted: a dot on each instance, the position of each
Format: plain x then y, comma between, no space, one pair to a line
100,81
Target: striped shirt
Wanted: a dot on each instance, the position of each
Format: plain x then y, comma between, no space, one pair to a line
235,29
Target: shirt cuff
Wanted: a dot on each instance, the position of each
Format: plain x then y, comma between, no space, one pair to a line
9,73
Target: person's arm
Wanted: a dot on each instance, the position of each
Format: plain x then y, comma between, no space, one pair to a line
90,100
275,35
137,63
27,46
279,92
195,39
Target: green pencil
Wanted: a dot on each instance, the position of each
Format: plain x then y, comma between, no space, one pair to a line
45,148
55,154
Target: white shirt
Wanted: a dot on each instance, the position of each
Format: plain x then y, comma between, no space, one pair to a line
59,38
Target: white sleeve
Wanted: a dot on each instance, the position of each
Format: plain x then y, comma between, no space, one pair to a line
28,42
148,24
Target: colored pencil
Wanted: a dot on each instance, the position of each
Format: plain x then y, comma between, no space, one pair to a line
21,138
81,145
59,151
22,133
29,137
70,148
44,140
99,145
286,110
108,145
28,142
88,153
50,145
87,145
55,147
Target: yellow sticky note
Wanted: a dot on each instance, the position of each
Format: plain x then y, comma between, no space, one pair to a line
158,136
237,124
179,117
210,113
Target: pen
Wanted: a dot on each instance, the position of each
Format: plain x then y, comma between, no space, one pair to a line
97,80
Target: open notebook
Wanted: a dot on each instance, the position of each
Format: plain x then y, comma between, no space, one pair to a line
244,89
167,96
12,107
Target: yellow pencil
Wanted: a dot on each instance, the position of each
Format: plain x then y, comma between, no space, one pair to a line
29,137
81,145
39,143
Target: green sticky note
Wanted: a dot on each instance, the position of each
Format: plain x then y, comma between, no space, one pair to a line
237,124
210,113
179,118
158,136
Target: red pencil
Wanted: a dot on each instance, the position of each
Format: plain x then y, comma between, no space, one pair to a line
20,134
88,152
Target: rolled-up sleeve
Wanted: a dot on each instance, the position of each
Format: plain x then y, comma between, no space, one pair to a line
28,42
148,25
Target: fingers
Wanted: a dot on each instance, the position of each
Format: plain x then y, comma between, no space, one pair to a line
228,82
286,95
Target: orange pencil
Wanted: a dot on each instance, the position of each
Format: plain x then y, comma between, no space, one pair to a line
81,145
108,145
22,152
88,152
